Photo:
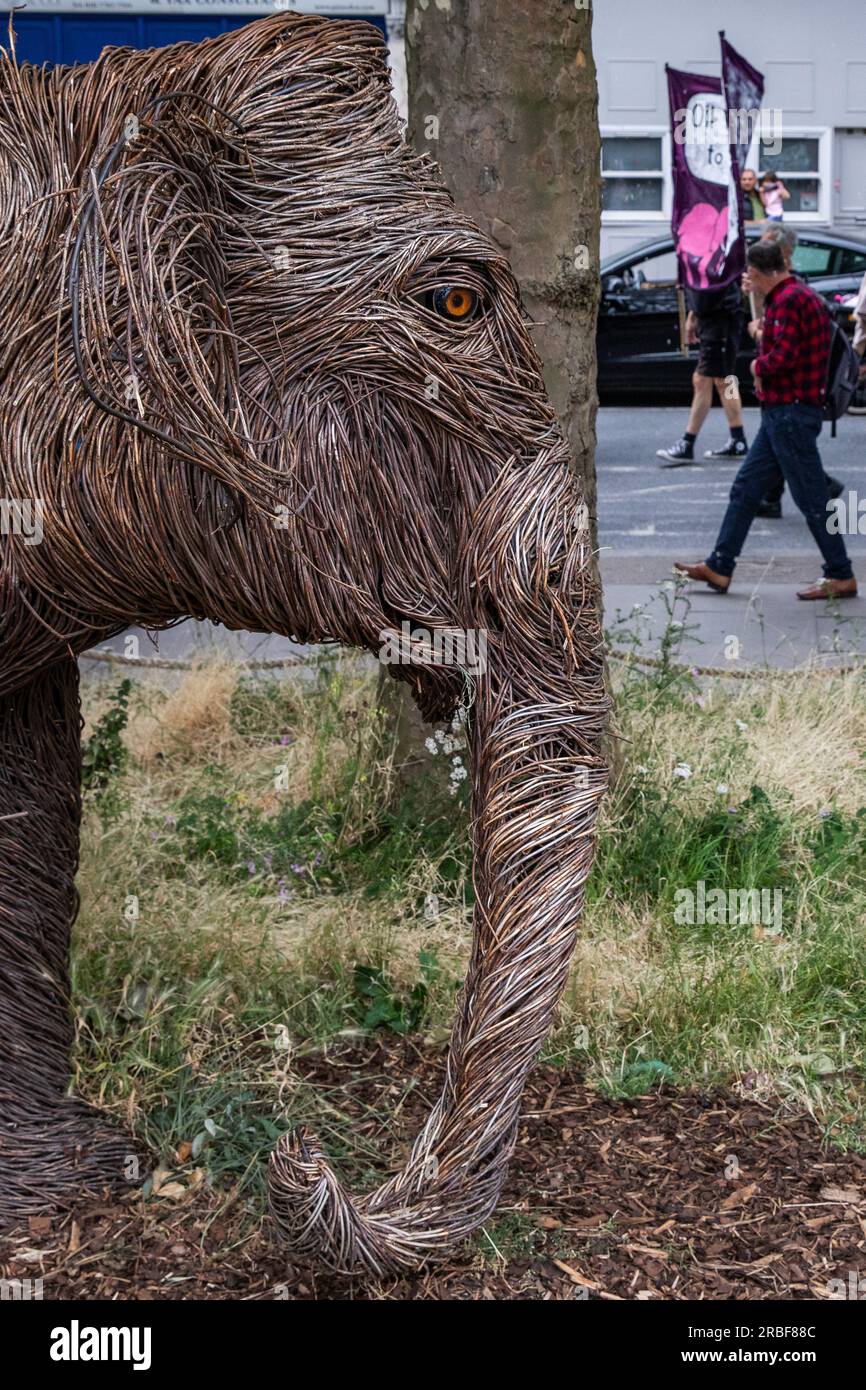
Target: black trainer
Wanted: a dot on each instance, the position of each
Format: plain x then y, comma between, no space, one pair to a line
772,511
678,454
734,449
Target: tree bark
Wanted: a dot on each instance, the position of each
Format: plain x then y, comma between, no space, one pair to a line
504,97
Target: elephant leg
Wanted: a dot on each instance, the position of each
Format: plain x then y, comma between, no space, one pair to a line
52,1146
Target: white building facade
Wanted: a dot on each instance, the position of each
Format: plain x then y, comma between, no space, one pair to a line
813,57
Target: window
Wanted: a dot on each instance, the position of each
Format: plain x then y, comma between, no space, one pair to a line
797,160
654,273
811,258
634,176
852,262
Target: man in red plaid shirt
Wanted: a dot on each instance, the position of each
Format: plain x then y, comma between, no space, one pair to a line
791,378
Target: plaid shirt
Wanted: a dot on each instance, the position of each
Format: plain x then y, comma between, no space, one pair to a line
795,346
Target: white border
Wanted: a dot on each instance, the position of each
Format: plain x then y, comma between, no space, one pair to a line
612,217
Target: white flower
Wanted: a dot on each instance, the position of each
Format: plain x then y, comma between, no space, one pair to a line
457,775
722,789
640,768
682,770
741,726
431,746
439,735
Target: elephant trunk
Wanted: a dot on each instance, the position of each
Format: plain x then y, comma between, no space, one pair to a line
537,778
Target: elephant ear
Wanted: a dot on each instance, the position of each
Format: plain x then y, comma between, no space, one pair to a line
151,323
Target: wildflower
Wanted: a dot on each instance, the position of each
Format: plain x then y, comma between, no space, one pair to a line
683,770
251,867
741,726
431,746
640,768
721,789
457,774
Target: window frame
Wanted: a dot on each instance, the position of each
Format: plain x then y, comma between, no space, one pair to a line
824,173
642,132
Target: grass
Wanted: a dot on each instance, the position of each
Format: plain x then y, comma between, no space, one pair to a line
257,882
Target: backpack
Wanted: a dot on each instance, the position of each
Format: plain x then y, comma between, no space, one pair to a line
843,375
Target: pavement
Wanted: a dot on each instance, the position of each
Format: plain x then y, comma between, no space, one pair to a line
649,516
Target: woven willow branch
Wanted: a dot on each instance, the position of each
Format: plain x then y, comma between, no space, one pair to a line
226,376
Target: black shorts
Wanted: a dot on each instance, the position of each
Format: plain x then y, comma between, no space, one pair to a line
719,338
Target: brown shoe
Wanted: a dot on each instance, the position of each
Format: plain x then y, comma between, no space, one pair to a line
719,582
830,588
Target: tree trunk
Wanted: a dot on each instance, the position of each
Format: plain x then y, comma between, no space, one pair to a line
504,97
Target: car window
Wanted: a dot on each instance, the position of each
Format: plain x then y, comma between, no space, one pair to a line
652,273
852,262
811,258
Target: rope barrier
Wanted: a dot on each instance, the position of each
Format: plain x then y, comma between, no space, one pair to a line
322,658
750,673
164,663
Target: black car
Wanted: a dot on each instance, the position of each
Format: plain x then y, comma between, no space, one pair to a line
639,352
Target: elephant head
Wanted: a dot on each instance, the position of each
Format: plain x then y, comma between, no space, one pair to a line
272,377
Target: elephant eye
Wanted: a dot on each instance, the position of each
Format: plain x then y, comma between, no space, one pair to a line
455,302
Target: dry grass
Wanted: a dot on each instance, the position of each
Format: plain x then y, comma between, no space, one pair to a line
708,1003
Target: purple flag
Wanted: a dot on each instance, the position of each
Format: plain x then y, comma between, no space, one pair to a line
743,90
706,207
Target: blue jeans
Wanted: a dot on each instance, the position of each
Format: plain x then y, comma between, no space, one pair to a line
787,440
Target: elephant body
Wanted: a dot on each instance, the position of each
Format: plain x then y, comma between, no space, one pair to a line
255,367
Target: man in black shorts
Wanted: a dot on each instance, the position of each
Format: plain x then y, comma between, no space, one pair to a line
715,322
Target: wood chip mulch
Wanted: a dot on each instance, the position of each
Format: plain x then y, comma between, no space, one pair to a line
673,1195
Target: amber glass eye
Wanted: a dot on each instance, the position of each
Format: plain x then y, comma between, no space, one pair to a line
455,302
